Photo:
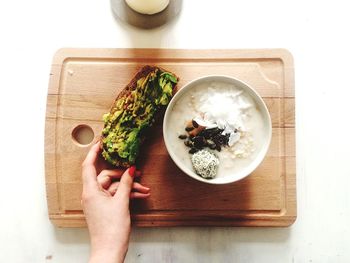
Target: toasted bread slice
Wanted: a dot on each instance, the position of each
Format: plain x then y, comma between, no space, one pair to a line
133,112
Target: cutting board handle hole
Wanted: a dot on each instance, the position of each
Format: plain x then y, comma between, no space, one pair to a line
82,135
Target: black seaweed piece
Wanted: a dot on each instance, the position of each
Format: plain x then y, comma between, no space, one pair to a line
211,132
193,150
199,142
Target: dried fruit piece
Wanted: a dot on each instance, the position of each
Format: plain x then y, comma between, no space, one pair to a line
182,136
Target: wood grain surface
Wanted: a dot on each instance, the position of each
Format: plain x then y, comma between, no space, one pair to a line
84,83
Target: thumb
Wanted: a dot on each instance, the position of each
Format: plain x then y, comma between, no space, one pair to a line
125,184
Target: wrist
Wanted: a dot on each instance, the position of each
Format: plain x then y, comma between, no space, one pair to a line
108,248
108,255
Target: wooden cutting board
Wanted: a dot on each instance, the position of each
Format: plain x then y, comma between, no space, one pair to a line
83,85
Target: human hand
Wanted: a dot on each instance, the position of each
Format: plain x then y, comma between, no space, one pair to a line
106,207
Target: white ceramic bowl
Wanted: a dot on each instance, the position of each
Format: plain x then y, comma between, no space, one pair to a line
177,156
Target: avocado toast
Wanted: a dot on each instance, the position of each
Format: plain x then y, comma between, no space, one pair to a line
133,112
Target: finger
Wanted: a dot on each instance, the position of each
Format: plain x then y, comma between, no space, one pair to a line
125,185
113,174
104,180
112,189
140,188
137,195
88,168
138,173
135,187
92,155
106,176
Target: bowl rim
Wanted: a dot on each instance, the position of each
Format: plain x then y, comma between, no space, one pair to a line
258,100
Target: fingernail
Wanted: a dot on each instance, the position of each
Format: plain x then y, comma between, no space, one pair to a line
132,170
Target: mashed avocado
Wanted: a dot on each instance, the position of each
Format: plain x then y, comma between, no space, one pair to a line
132,113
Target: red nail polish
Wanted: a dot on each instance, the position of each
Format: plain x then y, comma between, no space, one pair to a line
132,170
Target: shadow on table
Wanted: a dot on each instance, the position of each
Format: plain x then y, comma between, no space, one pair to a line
72,235
211,244
193,234
199,239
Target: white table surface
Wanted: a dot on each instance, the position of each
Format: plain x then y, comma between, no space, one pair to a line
314,31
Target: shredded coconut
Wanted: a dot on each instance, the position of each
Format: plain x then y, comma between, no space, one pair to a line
226,109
